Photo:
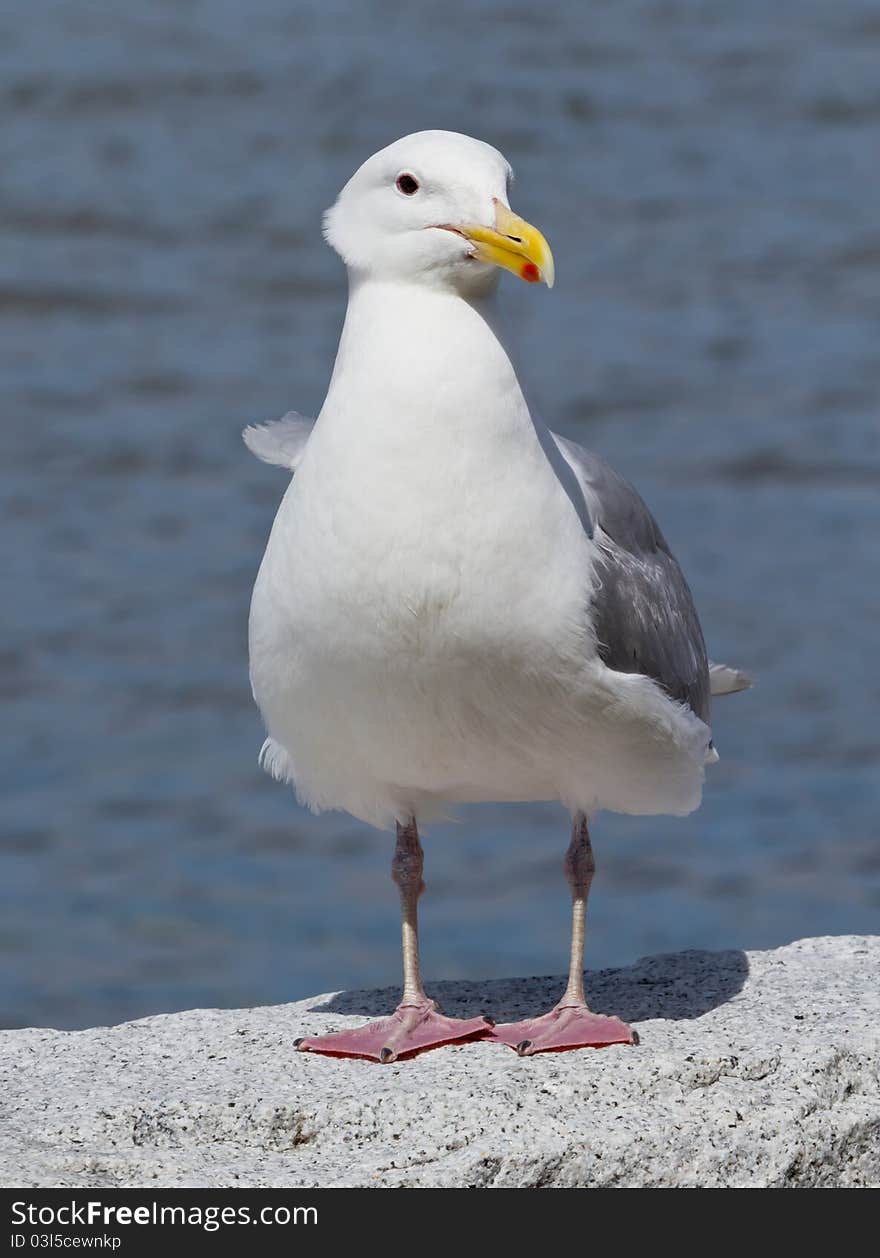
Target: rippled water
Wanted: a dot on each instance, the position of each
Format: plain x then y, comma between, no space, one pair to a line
708,176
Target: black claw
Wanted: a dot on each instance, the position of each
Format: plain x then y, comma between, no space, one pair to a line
636,1039
488,1021
386,1055
296,1043
522,1046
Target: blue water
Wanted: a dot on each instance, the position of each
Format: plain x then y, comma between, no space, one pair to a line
707,174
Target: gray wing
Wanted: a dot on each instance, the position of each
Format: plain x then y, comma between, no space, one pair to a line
643,611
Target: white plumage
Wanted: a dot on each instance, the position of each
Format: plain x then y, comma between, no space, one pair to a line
454,604
420,629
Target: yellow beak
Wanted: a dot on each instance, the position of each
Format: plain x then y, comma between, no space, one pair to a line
514,244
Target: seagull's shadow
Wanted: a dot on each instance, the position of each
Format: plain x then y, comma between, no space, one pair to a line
675,985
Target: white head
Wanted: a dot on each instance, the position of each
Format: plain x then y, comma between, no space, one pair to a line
433,208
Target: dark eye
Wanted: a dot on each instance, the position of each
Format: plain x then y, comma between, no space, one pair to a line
407,184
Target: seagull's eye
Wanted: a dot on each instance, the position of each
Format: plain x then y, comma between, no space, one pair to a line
407,184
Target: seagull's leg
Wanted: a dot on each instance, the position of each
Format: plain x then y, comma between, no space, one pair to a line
570,1024
416,1023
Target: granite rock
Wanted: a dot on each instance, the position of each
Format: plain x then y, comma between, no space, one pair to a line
754,1069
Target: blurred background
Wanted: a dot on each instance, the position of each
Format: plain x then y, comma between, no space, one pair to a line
708,176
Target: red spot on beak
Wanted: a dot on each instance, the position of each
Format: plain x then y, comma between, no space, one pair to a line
530,273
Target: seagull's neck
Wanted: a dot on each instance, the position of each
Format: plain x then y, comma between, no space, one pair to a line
423,381
424,411
424,358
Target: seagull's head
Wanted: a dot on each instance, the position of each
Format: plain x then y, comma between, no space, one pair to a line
433,208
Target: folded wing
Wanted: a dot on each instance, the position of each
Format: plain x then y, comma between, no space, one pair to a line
643,612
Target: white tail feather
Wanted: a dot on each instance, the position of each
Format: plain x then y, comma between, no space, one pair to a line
724,680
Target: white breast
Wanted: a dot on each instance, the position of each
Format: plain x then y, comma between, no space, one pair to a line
419,631
424,570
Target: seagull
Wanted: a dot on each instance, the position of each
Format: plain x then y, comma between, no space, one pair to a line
455,604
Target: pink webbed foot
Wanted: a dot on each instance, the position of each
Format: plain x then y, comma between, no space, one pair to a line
411,1029
565,1027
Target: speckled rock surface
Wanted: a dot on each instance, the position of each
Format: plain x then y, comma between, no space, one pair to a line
753,1069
